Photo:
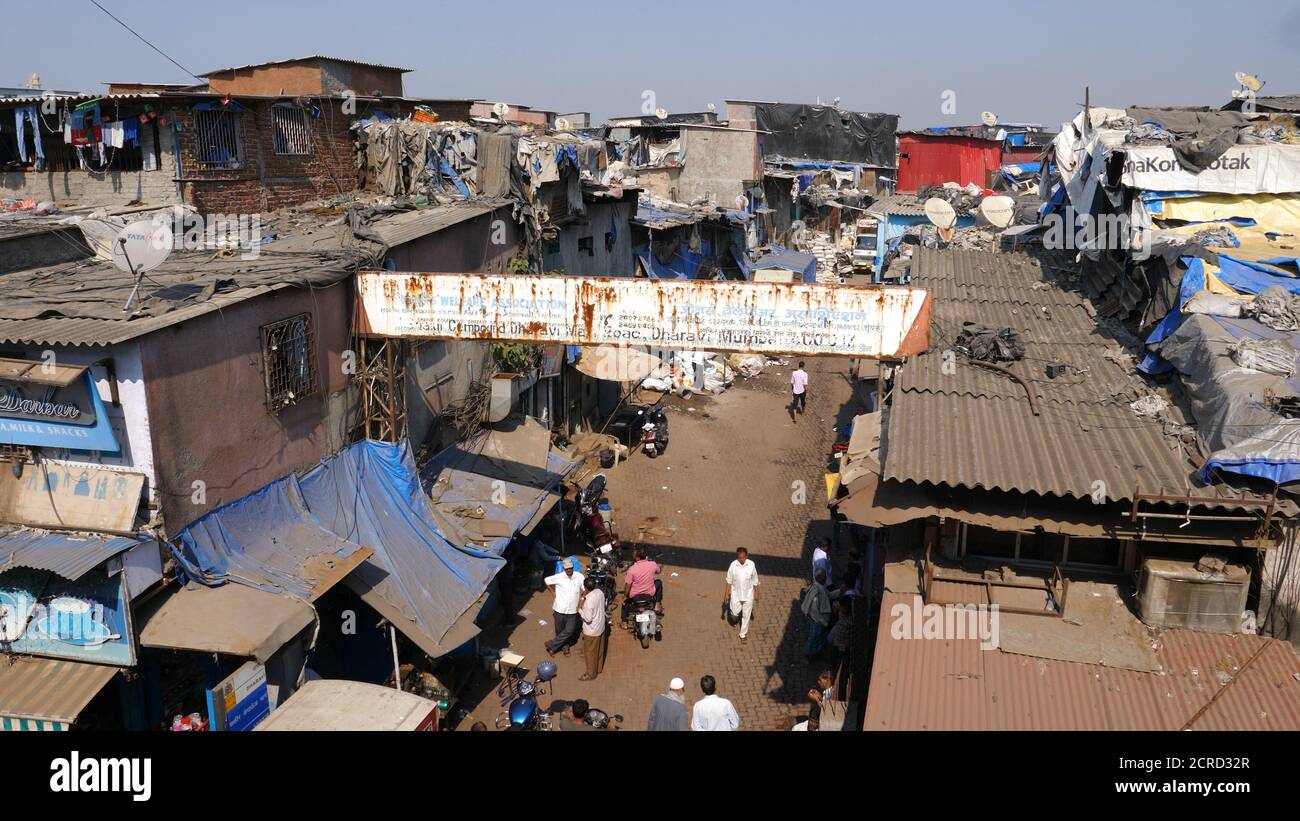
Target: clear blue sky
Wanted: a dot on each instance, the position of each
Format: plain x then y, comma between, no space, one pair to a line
1026,61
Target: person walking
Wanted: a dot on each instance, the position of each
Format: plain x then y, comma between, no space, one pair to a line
668,712
741,591
595,639
816,606
713,712
567,586
822,560
799,389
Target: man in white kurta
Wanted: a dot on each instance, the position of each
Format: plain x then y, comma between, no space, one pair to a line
742,590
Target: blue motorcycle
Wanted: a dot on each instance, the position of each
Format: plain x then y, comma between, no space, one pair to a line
519,697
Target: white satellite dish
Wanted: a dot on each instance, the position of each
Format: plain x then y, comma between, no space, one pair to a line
1249,81
999,211
989,118
501,110
940,212
562,124
661,113
712,107
742,202
142,246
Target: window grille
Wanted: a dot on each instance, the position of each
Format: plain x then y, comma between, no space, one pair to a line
292,133
288,360
216,135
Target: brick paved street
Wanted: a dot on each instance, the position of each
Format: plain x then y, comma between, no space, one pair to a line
727,480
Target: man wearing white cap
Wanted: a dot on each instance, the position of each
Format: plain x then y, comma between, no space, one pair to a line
568,590
669,709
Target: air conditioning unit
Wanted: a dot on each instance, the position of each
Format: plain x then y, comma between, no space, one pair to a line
1174,593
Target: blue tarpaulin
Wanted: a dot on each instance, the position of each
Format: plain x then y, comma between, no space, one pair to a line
497,482
685,264
368,495
805,265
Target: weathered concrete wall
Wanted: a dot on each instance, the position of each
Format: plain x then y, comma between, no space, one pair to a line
365,81
79,187
609,239
42,247
207,400
720,164
662,182
741,115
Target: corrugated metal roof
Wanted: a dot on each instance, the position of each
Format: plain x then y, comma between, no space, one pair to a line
36,98
898,205
934,684
301,59
87,331
962,425
48,690
412,225
69,555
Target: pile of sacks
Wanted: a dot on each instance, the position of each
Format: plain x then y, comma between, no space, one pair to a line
693,371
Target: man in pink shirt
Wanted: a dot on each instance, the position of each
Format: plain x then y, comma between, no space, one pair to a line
799,387
639,580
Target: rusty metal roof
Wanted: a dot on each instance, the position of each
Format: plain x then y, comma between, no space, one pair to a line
68,554
899,205
412,225
303,60
934,684
47,694
958,424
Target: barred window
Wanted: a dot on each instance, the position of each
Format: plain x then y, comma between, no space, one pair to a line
290,129
288,361
217,138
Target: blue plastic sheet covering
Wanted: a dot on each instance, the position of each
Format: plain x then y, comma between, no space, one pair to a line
685,264
370,494
511,476
803,264
261,540
1023,167
1243,276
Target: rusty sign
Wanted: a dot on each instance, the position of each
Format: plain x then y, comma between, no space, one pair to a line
73,496
874,321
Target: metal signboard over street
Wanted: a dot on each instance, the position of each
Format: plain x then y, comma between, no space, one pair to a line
875,321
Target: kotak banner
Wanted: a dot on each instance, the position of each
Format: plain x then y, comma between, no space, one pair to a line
874,321
1243,169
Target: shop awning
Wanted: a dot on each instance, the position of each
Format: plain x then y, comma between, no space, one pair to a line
69,555
231,618
499,483
47,694
619,364
381,592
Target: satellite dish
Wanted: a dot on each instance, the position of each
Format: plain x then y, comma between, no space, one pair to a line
142,246
661,113
989,118
562,124
1250,81
712,107
742,202
999,211
940,212
501,110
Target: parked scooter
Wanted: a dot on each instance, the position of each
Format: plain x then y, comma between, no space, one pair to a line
654,430
519,696
647,624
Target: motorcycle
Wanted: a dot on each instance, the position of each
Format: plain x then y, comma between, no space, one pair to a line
654,430
523,712
602,543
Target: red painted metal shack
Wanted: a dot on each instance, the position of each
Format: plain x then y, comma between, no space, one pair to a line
933,159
